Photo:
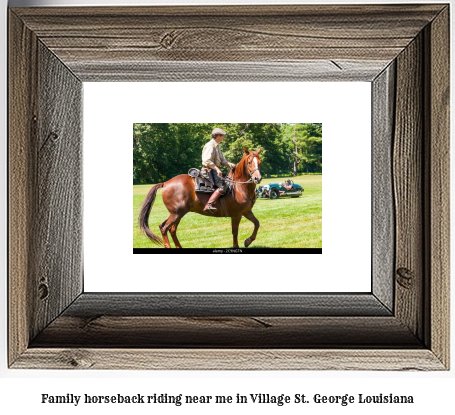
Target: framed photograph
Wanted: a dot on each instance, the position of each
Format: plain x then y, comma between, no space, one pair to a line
400,321
210,200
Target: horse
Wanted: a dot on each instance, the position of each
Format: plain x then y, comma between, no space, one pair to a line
180,197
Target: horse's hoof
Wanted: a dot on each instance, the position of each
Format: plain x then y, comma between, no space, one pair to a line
247,242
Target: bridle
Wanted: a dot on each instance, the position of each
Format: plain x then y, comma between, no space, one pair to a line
249,171
250,180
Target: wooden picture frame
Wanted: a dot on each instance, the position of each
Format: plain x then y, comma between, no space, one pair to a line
403,324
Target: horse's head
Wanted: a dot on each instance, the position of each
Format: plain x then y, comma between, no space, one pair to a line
253,163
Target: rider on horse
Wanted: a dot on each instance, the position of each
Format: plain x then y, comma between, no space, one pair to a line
212,159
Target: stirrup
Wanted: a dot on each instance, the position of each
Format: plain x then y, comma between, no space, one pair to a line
210,208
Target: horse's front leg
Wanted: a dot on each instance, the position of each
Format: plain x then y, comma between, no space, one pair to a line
235,221
250,216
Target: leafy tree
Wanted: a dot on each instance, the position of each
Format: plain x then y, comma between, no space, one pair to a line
164,150
304,147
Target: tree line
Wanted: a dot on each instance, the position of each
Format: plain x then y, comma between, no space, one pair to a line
162,151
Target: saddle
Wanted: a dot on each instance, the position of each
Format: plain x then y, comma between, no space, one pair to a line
201,183
204,185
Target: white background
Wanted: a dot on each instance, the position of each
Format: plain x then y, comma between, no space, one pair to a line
110,109
20,390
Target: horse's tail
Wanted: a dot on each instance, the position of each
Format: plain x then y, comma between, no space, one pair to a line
145,213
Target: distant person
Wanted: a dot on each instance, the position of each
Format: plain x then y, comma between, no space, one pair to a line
288,185
212,159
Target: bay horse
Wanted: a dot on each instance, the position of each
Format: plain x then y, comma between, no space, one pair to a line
180,197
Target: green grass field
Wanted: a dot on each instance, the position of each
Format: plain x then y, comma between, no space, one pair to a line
285,223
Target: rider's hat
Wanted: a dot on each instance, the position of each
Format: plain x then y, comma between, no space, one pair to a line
218,131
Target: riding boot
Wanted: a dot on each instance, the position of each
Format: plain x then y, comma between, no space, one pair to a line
215,196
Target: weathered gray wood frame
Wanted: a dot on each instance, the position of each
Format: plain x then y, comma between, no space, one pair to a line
403,50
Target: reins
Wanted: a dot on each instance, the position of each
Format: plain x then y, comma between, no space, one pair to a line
236,183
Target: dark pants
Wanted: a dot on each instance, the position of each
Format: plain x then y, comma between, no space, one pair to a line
219,181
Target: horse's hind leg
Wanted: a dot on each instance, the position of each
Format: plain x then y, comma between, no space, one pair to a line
173,231
170,224
250,216
163,230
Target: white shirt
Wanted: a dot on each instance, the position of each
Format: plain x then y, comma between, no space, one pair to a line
212,155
